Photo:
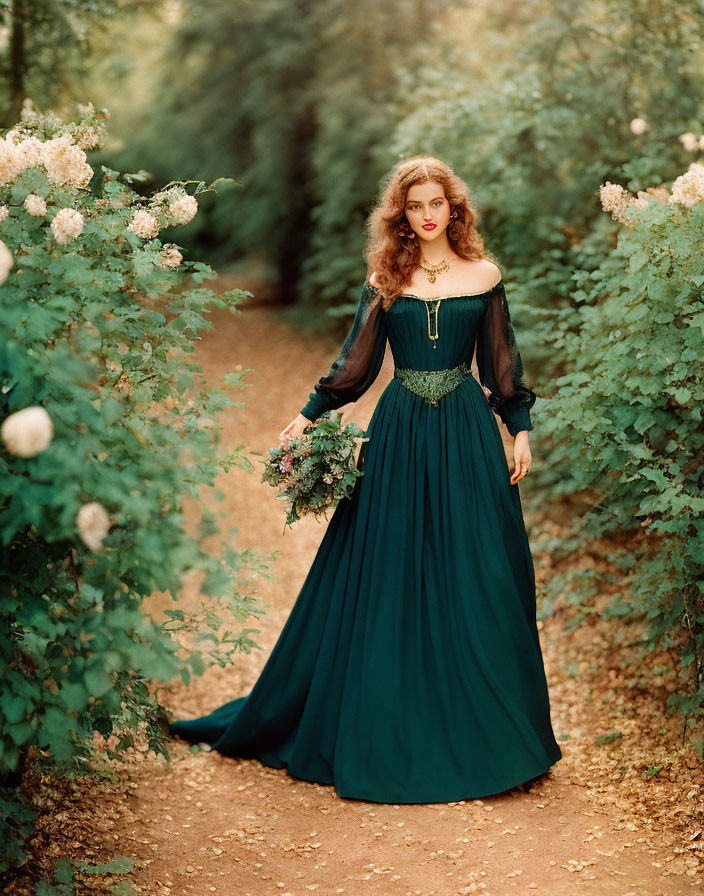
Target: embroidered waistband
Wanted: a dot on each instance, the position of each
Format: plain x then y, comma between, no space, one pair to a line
432,384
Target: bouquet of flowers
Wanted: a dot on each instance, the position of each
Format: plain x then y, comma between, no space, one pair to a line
315,470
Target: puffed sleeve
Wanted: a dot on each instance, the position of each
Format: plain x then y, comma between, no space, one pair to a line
499,364
359,361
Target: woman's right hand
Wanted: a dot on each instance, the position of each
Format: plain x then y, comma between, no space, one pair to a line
294,429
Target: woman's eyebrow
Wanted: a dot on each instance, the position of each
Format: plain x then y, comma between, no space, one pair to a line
418,200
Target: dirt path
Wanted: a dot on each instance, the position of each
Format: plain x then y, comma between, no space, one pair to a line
232,827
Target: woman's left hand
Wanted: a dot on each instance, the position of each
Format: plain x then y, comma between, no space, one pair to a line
521,456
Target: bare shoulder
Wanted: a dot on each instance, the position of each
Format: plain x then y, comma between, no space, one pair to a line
492,269
481,274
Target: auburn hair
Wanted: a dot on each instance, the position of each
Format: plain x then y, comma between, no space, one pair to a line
393,257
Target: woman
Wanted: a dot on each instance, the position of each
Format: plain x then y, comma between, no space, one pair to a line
410,669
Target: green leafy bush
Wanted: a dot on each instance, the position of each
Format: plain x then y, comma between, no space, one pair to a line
626,420
106,428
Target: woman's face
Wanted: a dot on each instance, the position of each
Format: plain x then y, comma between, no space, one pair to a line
427,210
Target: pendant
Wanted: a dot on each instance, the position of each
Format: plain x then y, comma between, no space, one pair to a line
432,270
433,336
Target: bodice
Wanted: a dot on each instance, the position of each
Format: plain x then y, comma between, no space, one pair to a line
427,335
454,321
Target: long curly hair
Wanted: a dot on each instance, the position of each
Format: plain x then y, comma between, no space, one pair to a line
390,254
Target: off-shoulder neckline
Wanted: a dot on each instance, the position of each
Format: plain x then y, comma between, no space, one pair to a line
459,295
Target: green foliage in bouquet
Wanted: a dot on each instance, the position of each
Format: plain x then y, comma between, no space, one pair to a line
106,427
318,469
626,421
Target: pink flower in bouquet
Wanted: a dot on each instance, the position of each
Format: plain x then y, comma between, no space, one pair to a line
327,477
286,463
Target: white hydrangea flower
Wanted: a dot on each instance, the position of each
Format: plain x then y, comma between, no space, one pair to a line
88,138
688,188
638,125
93,524
6,262
144,224
67,225
611,195
35,205
689,141
65,162
10,162
28,432
184,209
615,199
31,153
4,212
170,257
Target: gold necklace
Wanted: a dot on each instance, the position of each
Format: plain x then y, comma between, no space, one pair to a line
432,270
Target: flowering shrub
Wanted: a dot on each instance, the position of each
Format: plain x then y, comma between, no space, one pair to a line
105,426
318,469
626,420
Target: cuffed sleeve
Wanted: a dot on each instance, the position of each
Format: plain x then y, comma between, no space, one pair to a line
500,367
359,361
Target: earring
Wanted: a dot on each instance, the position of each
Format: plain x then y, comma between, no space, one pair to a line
406,233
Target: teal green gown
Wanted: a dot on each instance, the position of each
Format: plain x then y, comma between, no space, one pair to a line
410,669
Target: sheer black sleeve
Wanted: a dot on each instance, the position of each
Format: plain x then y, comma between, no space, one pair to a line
500,367
359,361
